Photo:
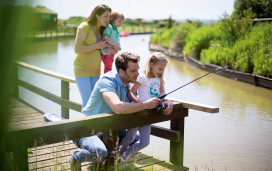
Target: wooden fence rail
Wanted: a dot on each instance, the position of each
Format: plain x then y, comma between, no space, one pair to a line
41,133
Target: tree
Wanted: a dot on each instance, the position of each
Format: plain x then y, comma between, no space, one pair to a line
170,22
262,8
236,25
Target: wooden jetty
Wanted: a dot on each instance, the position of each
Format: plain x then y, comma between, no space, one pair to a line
48,145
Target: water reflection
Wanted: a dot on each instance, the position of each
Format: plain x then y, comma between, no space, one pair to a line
236,99
43,47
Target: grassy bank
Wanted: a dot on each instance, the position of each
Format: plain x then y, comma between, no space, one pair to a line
233,38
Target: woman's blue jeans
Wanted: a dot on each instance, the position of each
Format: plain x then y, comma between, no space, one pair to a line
85,86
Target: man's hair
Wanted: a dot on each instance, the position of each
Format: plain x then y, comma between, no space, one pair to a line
121,62
116,14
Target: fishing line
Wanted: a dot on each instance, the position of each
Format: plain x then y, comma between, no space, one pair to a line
217,69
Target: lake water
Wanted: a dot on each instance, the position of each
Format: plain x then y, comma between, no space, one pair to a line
239,137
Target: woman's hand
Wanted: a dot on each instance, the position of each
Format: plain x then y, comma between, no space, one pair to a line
169,107
111,51
102,44
117,47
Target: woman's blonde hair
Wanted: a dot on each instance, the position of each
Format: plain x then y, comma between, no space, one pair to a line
155,58
99,10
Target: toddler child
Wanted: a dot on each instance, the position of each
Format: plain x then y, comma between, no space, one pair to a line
111,35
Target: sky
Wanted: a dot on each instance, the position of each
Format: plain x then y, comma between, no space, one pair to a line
146,9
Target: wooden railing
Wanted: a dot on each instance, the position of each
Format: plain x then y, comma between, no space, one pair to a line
81,127
63,101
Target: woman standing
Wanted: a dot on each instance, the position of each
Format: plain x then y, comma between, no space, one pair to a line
87,63
88,43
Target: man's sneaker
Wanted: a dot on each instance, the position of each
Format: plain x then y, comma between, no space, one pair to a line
75,165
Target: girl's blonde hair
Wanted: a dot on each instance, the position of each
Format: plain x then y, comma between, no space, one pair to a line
116,14
155,58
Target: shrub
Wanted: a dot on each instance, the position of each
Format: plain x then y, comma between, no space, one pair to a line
234,26
251,53
256,61
199,39
218,53
173,38
233,41
181,33
163,37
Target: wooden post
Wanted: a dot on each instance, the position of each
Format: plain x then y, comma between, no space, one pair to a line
15,81
64,95
20,159
177,148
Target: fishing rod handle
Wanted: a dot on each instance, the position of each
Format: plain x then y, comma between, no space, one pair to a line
161,107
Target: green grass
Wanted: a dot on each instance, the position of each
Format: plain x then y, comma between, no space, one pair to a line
233,41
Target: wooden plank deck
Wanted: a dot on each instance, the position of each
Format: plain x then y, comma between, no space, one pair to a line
56,156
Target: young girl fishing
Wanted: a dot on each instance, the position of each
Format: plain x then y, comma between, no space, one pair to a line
149,84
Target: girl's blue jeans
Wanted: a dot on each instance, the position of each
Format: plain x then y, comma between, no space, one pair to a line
128,148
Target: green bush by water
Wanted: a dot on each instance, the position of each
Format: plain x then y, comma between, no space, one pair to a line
231,38
174,37
200,39
244,50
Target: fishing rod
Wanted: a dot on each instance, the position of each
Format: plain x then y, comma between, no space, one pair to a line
162,105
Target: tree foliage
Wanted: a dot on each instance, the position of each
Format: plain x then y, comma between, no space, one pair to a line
236,25
263,8
230,42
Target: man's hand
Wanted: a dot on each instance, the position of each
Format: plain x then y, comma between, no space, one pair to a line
120,107
152,103
169,107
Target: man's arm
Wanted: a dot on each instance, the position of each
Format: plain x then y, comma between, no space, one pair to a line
120,107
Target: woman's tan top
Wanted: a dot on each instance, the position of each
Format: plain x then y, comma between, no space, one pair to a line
88,64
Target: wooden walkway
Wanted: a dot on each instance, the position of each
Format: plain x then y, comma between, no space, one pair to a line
21,114
56,156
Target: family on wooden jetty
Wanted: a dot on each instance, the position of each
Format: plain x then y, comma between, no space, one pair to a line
97,39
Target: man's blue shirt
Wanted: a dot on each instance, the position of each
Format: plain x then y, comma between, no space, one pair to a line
109,82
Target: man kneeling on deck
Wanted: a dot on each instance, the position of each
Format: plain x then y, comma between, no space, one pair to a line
110,95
